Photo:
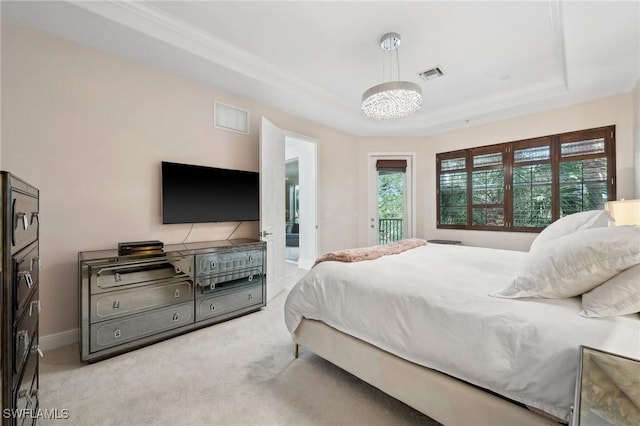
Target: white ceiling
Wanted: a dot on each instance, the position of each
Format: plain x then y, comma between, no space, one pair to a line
315,59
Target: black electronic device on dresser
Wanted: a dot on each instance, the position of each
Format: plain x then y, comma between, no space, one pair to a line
20,300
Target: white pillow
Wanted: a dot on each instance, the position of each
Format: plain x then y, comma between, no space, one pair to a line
572,223
571,265
618,296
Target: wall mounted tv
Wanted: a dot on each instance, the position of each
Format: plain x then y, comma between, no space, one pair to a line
196,194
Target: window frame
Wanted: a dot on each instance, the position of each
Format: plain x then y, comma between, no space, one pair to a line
508,163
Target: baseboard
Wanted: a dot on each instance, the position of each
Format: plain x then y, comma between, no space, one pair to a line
58,340
276,288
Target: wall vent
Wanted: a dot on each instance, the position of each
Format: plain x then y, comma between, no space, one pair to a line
230,118
431,73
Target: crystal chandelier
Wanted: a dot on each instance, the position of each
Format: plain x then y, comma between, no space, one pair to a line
394,99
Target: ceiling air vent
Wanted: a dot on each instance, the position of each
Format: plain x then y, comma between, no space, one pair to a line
430,74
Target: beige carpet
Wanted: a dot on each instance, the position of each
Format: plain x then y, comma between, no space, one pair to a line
240,372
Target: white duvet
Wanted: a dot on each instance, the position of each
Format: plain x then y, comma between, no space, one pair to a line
430,305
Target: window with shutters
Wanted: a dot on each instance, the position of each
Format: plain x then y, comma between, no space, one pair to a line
452,188
526,185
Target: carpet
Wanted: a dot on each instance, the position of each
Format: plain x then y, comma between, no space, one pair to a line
239,372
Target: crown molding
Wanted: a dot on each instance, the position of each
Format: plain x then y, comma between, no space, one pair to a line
151,21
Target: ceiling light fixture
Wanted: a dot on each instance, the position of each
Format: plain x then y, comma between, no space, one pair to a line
394,99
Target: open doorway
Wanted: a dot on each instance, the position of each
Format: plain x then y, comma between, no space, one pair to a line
391,195
292,209
300,202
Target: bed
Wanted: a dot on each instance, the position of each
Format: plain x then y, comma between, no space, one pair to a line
440,328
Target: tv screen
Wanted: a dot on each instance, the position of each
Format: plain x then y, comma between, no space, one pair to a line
195,194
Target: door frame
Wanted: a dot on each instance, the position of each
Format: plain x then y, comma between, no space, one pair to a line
372,185
307,259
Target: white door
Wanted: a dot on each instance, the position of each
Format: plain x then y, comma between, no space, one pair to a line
272,204
391,215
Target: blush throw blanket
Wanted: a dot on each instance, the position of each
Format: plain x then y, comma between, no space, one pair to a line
370,253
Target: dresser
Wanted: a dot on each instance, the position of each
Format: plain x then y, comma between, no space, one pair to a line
130,301
20,303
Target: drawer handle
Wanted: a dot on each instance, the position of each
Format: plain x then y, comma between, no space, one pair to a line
250,297
37,304
250,278
34,394
176,293
116,304
211,307
37,349
23,340
35,260
116,333
250,258
23,216
27,277
36,216
176,317
117,277
25,394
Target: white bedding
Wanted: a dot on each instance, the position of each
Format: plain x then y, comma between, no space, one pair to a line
430,305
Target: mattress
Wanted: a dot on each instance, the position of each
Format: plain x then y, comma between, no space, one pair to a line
431,305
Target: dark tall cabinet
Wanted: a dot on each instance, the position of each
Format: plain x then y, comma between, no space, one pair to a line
20,302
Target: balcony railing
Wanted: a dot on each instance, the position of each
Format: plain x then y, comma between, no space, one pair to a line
390,230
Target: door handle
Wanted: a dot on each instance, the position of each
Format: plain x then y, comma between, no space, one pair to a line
264,234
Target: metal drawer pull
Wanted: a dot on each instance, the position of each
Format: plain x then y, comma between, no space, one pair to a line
250,258
34,260
250,297
250,278
37,304
37,349
116,333
116,304
23,339
117,277
25,394
176,317
176,293
27,277
23,216
36,216
211,307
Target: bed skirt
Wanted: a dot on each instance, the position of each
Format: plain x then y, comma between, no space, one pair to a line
443,398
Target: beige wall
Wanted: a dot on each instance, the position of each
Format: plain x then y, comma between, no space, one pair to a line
636,137
614,110
90,130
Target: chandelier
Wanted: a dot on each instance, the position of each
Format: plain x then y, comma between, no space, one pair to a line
393,99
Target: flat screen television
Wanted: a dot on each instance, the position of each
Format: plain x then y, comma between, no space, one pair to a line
196,194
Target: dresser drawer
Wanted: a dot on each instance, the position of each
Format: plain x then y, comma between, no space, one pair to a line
116,332
249,276
220,263
114,277
24,222
25,333
26,268
26,395
114,304
230,301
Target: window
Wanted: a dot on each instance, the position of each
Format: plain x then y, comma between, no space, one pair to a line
526,185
